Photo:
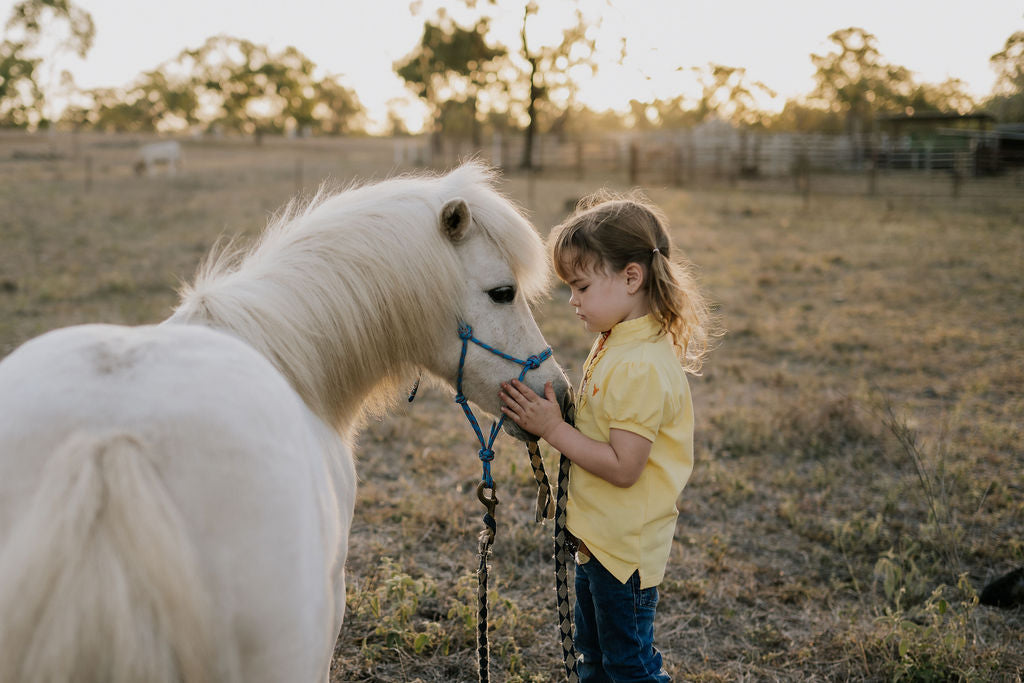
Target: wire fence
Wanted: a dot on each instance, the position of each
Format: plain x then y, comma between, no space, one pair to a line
803,164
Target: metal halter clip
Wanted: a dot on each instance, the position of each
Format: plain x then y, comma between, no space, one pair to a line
489,502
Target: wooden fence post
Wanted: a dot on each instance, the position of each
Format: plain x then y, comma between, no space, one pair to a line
691,160
801,170
531,202
677,165
873,174
497,148
957,176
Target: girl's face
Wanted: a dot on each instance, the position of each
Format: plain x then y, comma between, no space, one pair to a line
603,299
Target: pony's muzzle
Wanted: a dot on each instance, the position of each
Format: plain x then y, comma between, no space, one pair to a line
566,404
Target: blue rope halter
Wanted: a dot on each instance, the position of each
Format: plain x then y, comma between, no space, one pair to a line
486,484
486,452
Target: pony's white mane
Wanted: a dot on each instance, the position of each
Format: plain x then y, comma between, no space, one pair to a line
345,293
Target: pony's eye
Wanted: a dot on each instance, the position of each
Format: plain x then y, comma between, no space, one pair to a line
502,295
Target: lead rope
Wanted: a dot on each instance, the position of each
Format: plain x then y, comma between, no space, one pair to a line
486,490
485,540
545,503
565,543
565,547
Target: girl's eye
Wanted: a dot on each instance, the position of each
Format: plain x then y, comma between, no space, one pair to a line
502,295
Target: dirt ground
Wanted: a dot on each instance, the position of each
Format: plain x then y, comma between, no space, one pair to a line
859,465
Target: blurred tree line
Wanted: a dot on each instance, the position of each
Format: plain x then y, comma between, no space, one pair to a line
531,87
470,81
228,84
23,73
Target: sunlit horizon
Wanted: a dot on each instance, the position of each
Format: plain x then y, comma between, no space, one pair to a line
663,44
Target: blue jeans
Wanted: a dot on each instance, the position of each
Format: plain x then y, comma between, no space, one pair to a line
615,628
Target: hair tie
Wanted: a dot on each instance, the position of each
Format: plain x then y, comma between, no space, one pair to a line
655,251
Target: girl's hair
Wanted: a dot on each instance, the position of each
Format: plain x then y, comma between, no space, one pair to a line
607,232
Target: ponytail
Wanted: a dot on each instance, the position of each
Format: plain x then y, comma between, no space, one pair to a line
680,308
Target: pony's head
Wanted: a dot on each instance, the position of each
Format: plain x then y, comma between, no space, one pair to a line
502,268
357,292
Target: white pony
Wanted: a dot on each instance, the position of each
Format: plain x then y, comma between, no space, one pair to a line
175,500
159,154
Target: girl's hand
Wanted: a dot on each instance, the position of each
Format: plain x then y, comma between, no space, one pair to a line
537,415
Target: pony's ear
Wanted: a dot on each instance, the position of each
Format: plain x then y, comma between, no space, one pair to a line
455,219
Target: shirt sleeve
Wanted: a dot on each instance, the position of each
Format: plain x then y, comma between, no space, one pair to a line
635,399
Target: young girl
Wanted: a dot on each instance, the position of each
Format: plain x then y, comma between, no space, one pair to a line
632,447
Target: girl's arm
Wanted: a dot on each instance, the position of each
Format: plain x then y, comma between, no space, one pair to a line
619,462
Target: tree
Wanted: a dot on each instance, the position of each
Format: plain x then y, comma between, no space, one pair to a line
452,65
549,70
674,113
336,109
231,83
727,94
20,95
799,116
111,110
586,122
37,32
1007,100
1009,66
523,80
157,101
248,89
948,96
30,18
856,82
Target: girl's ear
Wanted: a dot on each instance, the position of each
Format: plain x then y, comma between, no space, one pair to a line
634,277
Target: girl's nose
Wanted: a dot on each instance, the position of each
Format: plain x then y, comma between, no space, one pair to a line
572,299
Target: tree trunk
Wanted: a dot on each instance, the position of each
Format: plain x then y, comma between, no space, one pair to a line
474,124
531,112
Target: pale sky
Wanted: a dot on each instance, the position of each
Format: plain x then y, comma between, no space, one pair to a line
361,39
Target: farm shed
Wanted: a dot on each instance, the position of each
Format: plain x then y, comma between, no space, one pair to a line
937,140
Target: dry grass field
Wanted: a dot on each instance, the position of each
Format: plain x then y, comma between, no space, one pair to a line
859,466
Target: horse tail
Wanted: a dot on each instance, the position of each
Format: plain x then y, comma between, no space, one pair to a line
99,580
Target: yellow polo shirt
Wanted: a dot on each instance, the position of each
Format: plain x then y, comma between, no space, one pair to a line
637,385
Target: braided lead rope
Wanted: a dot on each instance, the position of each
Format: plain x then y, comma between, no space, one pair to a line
485,540
482,647
486,455
545,502
565,547
565,544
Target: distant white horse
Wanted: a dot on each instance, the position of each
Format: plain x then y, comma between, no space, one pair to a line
175,500
159,154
